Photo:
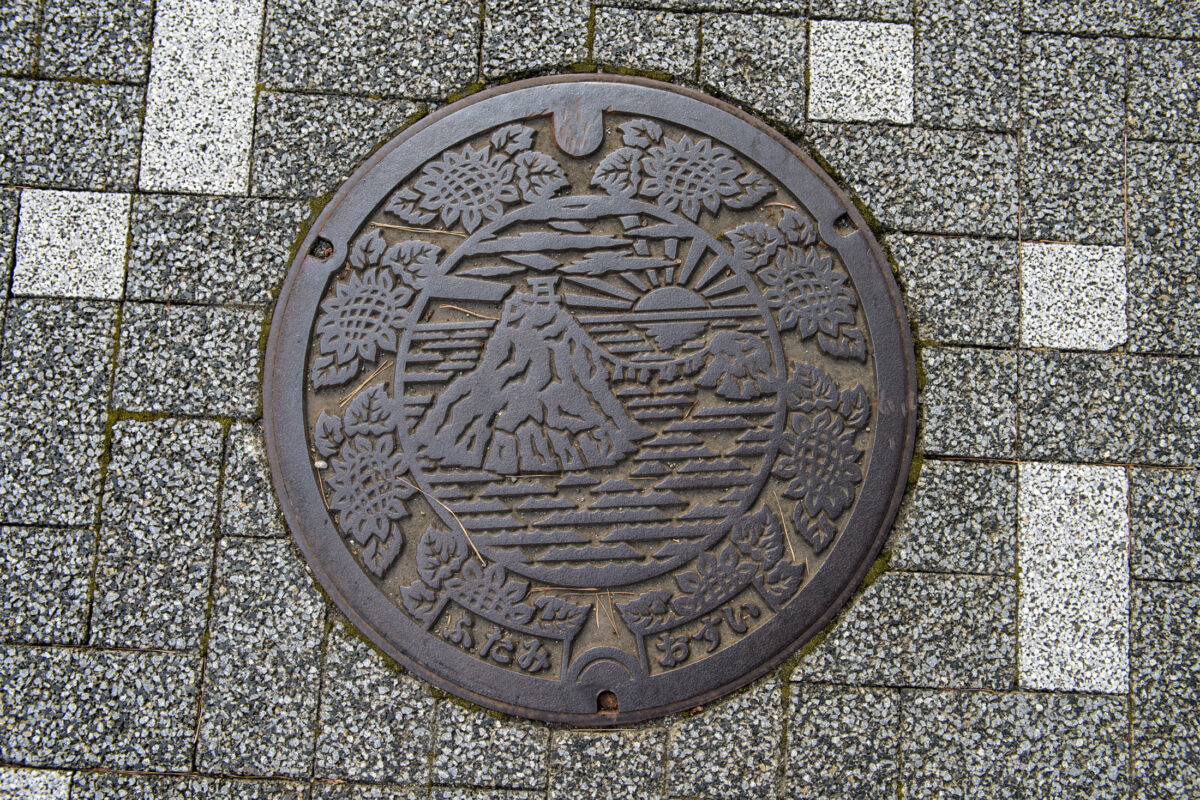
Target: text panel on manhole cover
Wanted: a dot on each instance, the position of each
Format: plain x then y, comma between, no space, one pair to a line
589,393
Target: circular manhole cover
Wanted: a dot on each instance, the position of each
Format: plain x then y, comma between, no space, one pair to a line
587,394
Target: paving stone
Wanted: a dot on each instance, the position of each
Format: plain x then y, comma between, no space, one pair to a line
1163,17
44,576
1073,192
248,505
969,402
376,722
617,764
1073,89
261,678
1072,296
101,39
915,179
474,748
200,97
860,71
531,35
1164,238
959,291
1074,566
1164,527
976,744
34,784
873,10
18,36
647,40
102,786
729,751
384,48
69,707
843,742
1109,408
1164,656
1162,89
960,517
8,234
157,525
307,145
1165,769
915,629
189,360
210,249
71,244
758,60
366,791
57,360
446,793
1076,16
772,6
69,135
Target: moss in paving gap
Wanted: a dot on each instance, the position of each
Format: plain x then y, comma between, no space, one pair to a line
589,41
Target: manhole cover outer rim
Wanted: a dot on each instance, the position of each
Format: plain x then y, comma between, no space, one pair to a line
897,429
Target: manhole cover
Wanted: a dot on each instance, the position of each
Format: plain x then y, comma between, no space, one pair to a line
589,399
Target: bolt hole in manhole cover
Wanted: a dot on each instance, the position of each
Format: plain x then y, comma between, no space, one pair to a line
589,399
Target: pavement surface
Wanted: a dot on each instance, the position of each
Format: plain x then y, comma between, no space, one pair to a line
1033,170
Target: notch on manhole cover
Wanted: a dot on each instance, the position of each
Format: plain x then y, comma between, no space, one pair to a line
589,399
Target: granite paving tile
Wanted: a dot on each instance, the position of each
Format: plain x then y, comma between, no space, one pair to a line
969,402
157,524
341,790
474,748
730,750
610,764
530,35
922,629
71,244
843,742
1073,89
1162,89
189,360
18,36
1076,16
1109,408
34,784
1164,526
1163,18
959,290
647,40
1165,769
1073,297
860,71
261,678
57,359
922,180
248,505
1164,656
1073,192
460,793
102,786
773,6
307,145
758,60
70,707
960,517
383,48
101,39
69,135
44,576
9,206
872,10
220,250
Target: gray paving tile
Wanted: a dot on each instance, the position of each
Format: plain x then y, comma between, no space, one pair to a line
958,290
773,6
1165,769
1164,527
108,786
843,742
914,629
70,135
57,360
1162,102
307,145
1163,17
531,35
44,575
210,249
647,40
758,60
376,722
189,360
342,790
870,10
616,764
1073,192
1073,89
976,744
960,517
102,39
34,784
915,179
729,751
459,793
156,532
967,67
68,707
1076,16
317,46
1164,302
474,748
1164,656
969,402
248,505
1109,408
261,678
18,36
8,231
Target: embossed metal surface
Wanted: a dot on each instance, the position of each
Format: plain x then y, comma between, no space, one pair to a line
589,399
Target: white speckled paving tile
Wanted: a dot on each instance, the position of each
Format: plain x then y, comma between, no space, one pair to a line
200,98
1073,616
71,244
34,784
1073,296
860,71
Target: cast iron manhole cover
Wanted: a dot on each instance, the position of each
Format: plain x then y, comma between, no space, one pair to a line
589,393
